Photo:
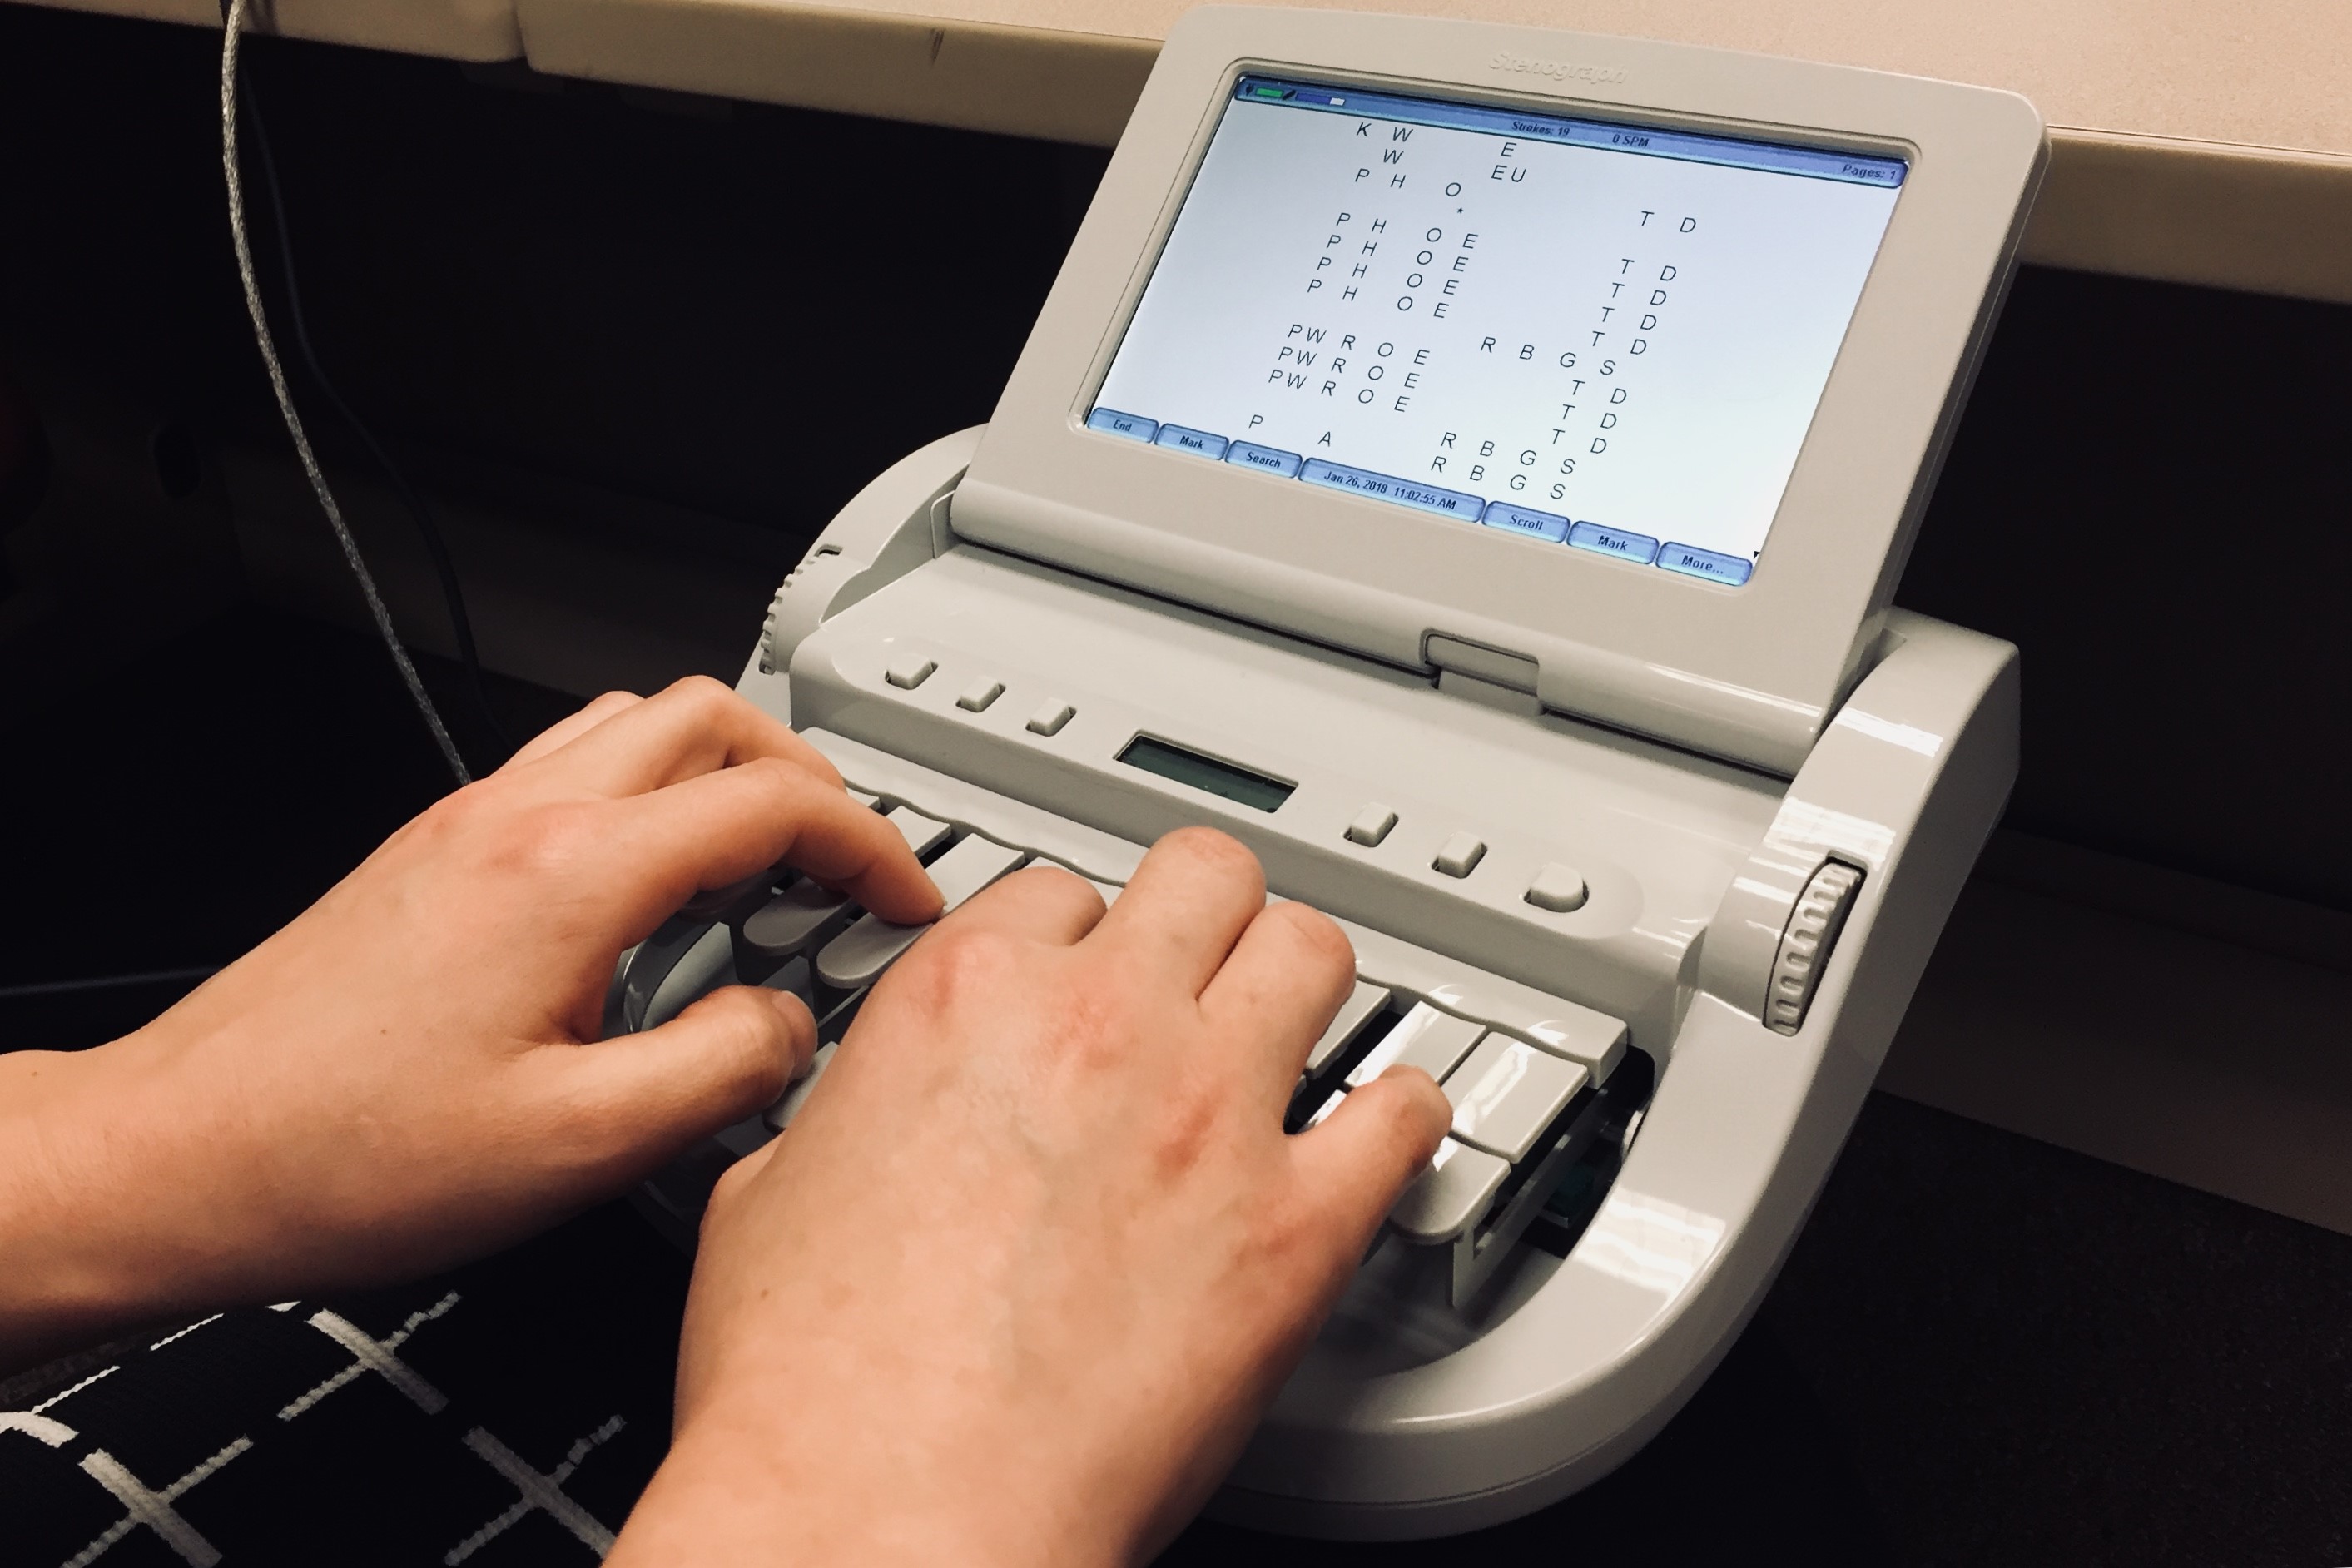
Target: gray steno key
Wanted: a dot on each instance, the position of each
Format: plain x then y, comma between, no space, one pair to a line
1450,1196
1363,1005
859,955
789,922
921,832
1507,1094
1424,1037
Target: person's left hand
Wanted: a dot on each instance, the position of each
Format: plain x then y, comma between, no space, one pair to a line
405,1076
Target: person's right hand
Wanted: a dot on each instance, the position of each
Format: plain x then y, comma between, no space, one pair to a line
1017,1281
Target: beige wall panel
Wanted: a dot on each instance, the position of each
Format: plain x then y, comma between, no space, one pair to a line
2216,1066
2195,141
2270,73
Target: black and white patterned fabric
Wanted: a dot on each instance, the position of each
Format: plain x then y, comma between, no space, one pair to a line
503,1415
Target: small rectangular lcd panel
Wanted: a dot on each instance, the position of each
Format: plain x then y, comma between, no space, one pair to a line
1239,785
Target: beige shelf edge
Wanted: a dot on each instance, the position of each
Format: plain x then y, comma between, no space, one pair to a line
975,76
2269,220
450,29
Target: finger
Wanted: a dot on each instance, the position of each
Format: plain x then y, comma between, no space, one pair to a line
643,1096
723,826
1278,990
565,731
1186,906
694,727
1359,1161
1044,903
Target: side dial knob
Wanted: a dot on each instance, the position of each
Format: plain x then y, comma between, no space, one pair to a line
1813,928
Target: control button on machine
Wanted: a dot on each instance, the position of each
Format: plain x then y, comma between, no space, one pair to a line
1460,855
1371,825
1424,1037
921,832
1449,1197
859,956
979,695
1557,888
1362,1005
1049,719
911,671
1507,1094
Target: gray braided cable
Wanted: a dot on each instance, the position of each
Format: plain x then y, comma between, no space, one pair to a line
233,33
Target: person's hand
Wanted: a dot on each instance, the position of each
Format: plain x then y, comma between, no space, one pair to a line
1016,1282
404,1077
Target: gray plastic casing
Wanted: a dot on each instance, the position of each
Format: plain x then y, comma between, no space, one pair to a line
1749,674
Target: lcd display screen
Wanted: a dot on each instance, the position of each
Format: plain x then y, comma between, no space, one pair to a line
1596,335
1240,786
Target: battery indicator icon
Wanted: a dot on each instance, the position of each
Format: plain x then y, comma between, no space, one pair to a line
1274,93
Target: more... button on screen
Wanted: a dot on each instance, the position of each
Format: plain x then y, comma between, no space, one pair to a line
1732,571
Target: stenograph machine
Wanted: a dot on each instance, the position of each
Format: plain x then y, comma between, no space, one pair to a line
1471,465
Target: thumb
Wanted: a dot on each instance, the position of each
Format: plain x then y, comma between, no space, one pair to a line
722,1058
1360,1159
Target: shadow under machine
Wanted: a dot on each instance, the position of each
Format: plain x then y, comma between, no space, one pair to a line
1471,465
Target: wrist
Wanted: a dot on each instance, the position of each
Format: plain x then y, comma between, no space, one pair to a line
753,1481
105,1224
64,1284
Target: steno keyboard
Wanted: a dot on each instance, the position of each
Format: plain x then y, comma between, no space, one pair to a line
1538,1083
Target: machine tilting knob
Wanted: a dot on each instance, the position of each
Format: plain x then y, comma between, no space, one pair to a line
779,637
770,634
1813,928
